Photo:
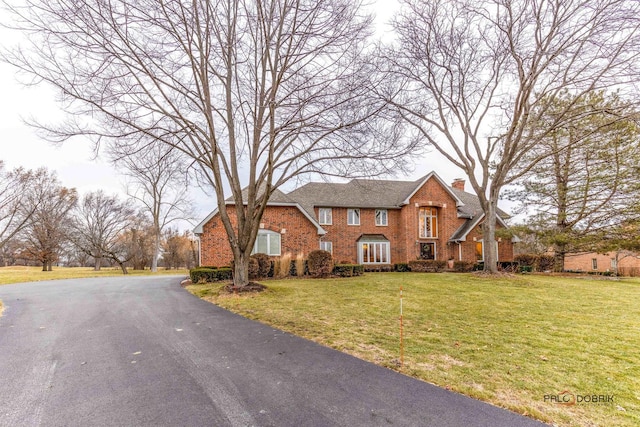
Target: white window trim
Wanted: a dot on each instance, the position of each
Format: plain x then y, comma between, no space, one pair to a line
349,216
322,219
434,233
594,263
386,217
267,233
323,245
361,260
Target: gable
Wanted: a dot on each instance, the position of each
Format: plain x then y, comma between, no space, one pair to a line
432,186
432,191
199,229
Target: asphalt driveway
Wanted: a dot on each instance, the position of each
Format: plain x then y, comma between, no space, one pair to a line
141,351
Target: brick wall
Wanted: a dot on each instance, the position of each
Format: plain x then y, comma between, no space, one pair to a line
344,237
584,262
299,235
402,231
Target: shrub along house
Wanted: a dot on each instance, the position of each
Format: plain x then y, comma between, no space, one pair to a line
366,222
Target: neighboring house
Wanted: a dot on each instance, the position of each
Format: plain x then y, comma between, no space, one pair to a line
366,222
624,263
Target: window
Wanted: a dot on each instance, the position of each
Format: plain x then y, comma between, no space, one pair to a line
594,263
428,218
353,216
325,216
614,263
381,217
427,251
374,252
326,246
267,242
479,251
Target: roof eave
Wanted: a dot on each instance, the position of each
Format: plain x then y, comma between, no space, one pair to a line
199,229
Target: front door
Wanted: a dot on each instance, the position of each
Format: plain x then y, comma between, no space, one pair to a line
427,251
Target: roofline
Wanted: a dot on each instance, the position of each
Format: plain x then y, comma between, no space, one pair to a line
474,223
432,174
199,229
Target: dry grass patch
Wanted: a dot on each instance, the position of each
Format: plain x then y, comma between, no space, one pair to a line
506,340
20,274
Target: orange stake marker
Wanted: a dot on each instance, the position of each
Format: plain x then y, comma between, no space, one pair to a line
401,333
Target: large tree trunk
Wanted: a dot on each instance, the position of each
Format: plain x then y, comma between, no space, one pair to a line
97,264
489,238
241,269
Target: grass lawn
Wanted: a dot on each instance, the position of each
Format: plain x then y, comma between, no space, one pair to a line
20,274
508,341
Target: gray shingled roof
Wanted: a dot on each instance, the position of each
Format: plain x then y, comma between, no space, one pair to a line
370,193
277,196
358,193
471,210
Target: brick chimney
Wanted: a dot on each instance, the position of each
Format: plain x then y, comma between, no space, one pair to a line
458,184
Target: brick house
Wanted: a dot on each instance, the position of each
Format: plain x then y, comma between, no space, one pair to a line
366,222
623,263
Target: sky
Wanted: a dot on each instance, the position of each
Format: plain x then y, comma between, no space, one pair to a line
74,160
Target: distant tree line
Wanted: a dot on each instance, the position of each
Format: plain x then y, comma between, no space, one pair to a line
45,223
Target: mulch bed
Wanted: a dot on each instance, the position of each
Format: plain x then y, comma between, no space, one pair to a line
251,287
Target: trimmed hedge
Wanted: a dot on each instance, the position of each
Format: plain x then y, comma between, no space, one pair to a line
320,263
224,273
463,266
348,270
379,268
401,267
537,262
208,275
264,265
427,265
202,275
254,268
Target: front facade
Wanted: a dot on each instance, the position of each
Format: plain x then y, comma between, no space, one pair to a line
366,222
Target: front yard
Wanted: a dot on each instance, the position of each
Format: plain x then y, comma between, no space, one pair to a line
527,343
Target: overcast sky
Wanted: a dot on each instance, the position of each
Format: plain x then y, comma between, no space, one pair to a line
74,162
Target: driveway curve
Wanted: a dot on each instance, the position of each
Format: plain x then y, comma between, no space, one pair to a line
141,351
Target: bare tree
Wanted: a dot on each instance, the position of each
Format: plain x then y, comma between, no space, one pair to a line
469,77
158,181
48,228
139,239
99,224
178,249
15,186
253,92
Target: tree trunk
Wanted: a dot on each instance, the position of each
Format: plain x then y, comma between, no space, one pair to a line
558,258
489,238
44,265
98,262
156,252
123,267
241,270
